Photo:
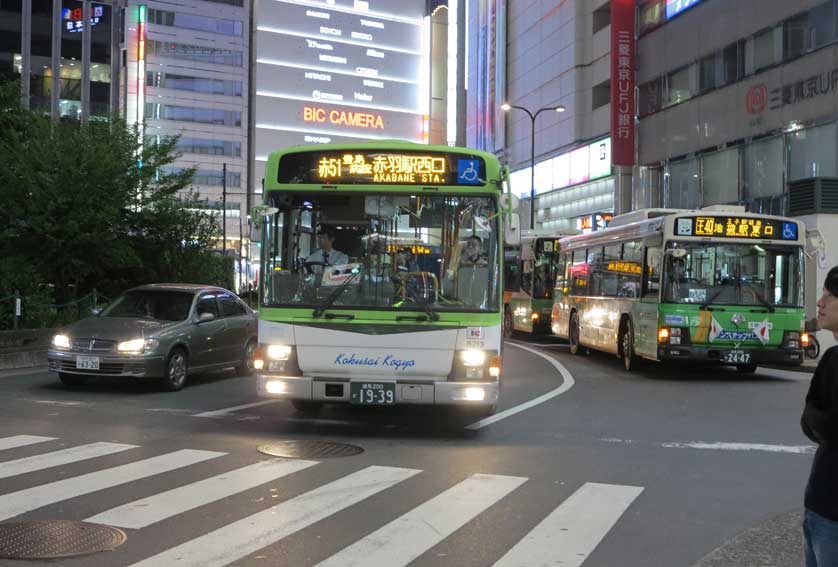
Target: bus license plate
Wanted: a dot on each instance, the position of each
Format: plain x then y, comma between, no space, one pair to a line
737,357
87,362
372,393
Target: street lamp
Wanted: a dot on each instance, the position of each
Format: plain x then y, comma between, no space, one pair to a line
506,108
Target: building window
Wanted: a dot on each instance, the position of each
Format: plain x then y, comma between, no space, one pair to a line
209,147
157,111
721,177
732,64
707,73
762,169
601,94
812,152
194,53
683,188
763,50
650,97
194,84
195,22
602,17
679,85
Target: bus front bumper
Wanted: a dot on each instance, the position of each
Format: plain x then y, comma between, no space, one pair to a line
775,356
417,391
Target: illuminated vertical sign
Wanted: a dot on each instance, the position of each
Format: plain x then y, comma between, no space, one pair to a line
451,130
141,29
622,82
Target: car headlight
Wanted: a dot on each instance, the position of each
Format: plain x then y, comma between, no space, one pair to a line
137,346
278,352
473,357
61,341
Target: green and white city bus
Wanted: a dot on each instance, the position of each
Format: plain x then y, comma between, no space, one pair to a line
714,285
529,277
410,310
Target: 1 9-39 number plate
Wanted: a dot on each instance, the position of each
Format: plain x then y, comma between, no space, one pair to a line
372,393
737,357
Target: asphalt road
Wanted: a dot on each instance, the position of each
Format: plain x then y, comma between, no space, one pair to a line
584,465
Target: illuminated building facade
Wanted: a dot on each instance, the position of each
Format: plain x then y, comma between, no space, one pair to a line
331,71
187,67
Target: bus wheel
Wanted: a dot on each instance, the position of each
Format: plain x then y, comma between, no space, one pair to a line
573,335
508,325
746,368
630,360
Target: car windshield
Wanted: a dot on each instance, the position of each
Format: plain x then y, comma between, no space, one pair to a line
148,304
733,274
382,252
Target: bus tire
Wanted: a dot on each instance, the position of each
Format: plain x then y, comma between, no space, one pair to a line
573,334
306,406
626,346
508,324
746,368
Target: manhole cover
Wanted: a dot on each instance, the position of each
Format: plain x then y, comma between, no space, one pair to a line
310,449
46,540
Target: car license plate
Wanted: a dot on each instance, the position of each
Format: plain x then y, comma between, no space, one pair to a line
737,357
87,362
372,393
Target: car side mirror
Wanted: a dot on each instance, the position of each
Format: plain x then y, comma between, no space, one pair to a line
204,317
95,311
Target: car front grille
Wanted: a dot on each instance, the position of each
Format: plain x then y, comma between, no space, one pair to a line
87,345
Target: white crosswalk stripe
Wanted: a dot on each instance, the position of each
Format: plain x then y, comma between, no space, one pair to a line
62,457
567,536
406,538
23,501
21,441
264,528
156,508
571,532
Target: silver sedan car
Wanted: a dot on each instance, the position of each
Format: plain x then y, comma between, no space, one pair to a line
162,331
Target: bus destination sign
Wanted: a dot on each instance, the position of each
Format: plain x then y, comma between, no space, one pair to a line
382,167
736,227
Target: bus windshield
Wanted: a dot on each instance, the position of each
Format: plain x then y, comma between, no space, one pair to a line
764,275
544,268
381,251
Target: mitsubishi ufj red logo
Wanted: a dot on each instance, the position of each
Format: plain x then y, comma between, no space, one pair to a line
756,99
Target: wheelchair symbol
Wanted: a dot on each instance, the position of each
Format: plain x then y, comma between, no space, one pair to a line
469,173
789,231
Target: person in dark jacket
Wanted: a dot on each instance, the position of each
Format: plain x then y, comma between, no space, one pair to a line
820,424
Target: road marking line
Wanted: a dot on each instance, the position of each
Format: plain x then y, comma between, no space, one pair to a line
224,411
142,513
62,457
566,385
69,403
239,539
409,536
572,531
22,440
795,449
23,501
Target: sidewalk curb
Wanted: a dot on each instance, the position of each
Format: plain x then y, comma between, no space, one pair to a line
23,359
777,542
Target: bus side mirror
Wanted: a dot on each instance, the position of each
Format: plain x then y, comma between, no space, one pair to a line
509,202
512,229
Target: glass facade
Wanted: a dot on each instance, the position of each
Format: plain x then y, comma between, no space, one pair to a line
195,22
195,53
209,147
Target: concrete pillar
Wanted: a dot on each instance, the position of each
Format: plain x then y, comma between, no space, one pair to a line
55,60
86,33
25,51
622,188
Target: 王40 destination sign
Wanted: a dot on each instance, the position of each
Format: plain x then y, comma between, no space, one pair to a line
754,228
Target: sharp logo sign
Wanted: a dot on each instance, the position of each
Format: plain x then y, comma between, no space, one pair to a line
756,98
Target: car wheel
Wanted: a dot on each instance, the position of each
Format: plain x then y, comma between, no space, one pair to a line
304,406
746,368
71,379
573,334
245,367
174,377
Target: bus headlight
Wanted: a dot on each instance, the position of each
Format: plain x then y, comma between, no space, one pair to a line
278,352
473,357
276,359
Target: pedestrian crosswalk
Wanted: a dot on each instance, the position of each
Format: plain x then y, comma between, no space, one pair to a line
566,536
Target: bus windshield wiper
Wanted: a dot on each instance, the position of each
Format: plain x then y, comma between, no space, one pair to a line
335,294
432,315
761,298
705,305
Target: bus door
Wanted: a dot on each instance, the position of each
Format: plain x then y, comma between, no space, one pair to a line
646,334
